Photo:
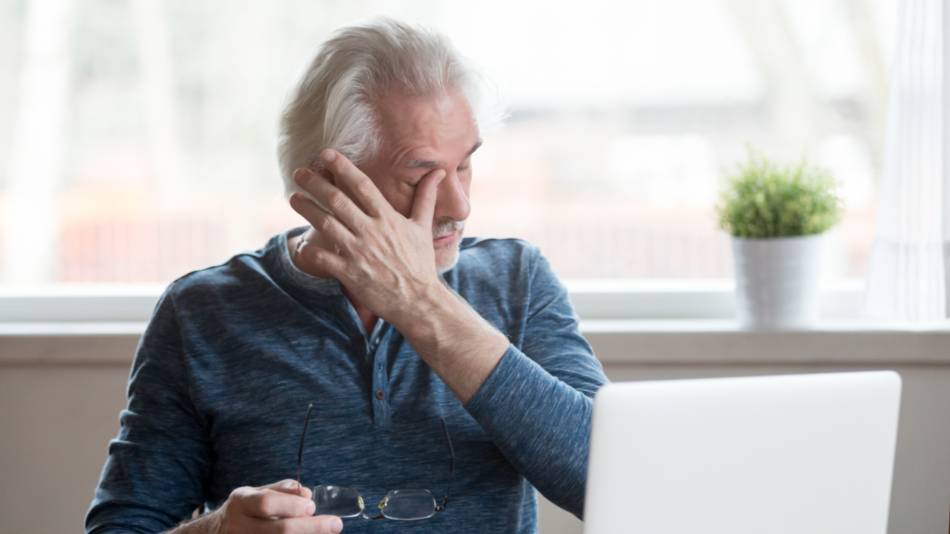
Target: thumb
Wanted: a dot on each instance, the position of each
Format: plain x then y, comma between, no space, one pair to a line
423,203
321,524
290,486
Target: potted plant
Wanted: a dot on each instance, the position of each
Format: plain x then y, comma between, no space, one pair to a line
777,216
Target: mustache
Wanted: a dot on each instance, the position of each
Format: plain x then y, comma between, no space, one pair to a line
445,227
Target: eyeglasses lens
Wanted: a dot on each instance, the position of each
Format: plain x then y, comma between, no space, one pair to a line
409,505
340,501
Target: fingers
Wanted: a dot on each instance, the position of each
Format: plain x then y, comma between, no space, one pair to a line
266,503
423,203
332,198
326,260
321,524
355,183
325,223
291,486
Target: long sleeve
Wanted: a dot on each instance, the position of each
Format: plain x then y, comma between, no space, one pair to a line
154,475
537,403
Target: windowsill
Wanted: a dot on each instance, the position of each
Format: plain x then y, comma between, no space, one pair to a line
593,299
631,342
850,342
628,322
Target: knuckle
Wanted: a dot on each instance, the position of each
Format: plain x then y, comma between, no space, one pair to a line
266,503
365,187
242,492
318,257
335,167
338,201
287,483
325,223
341,162
363,270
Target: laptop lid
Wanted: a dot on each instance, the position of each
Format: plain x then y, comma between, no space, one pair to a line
777,454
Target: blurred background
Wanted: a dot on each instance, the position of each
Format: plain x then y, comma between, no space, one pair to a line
137,137
137,143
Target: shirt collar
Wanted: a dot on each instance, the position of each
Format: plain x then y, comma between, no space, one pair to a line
293,276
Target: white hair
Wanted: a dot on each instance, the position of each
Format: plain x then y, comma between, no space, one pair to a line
334,105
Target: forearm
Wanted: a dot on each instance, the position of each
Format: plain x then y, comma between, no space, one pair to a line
454,340
209,523
541,424
534,400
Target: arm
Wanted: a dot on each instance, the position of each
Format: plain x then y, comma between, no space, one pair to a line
385,260
157,465
454,340
283,506
534,403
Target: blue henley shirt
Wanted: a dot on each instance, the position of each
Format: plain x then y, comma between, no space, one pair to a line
234,353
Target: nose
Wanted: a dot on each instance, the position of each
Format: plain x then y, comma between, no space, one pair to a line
452,199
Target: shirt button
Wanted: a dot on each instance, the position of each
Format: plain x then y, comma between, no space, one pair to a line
380,394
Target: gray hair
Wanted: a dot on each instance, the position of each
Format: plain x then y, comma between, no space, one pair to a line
334,104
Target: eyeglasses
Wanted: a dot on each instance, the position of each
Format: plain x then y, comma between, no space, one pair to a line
398,504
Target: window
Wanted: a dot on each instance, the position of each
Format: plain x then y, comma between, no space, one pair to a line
137,138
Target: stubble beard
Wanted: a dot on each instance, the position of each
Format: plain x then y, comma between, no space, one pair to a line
444,228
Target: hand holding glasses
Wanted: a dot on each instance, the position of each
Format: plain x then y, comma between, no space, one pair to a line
398,504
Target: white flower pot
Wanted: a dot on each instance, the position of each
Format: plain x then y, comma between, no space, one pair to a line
777,280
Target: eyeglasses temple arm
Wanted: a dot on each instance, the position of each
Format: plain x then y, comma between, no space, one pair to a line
448,439
303,435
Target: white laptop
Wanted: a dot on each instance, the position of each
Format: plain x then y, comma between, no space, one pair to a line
790,454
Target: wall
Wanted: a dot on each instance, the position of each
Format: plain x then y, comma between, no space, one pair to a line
60,396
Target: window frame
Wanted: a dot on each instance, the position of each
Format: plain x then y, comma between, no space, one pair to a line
600,300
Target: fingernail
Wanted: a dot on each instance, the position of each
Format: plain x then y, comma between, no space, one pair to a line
311,507
290,484
328,155
336,526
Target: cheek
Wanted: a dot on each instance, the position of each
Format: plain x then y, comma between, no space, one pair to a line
400,199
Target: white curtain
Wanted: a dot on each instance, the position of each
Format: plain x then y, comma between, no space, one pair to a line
908,276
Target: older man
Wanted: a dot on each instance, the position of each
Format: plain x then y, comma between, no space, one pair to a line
443,378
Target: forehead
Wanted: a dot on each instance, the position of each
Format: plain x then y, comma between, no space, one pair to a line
428,124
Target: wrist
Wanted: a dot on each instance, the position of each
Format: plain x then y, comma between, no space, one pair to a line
209,523
432,305
454,340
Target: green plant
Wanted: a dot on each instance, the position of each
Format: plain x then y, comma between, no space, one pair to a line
765,199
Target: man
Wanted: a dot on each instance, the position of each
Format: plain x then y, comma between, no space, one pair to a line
431,362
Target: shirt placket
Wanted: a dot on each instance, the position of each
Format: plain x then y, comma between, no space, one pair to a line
380,383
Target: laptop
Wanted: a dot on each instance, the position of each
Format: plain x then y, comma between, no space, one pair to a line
787,454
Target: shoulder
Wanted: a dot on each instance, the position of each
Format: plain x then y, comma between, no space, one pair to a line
495,272
497,255
241,276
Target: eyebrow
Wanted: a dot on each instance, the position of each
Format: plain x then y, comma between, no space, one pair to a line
431,164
